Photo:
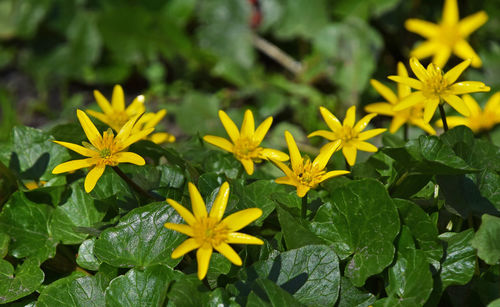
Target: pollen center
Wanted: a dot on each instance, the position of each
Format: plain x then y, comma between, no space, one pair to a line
436,84
448,35
208,230
245,148
119,118
307,174
347,133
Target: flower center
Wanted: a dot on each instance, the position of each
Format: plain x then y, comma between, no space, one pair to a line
119,118
245,148
436,84
347,133
448,35
307,174
105,153
208,230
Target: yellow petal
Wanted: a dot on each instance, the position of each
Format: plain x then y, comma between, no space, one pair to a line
135,137
457,103
325,154
90,130
396,123
350,117
349,153
452,75
471,23
129,157
184,248
77,148
410,101
302,190
220,202
333,174
466,87
228,252
197,202
137,107
219,142
92,177
441,56
493,104
383,90
472,105
182,228
155,119
261,131
161,137
430,109
126,129
419,122
183,212
288,172
425,49
242,238
413,83
286,180
422,27
229,125
362,123
102,102
242,218
331,121
370,133
118,98
269,153
73,165
450,12
453,121
403,89
463,50
364,146
382,108
418,69
247,165
102,117
248,125
295,157
203,257
326,134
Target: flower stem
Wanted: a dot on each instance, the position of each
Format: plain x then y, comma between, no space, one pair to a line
443,117
406,131
303,211
134,185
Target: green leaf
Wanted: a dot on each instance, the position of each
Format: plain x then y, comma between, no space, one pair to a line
302,18
73,290
25,280
310,273
206,107
140,239
138,287
295,231
79,210
4,244
27,224
364,8
487,239
423,230
459,263
187,291
86,258
219,265
111,186
359,219
488,183
351,296
276,295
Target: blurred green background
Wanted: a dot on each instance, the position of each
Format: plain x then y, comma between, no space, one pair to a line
195,57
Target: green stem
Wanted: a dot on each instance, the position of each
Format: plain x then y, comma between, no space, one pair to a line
134,185
303,211
443,117
406,131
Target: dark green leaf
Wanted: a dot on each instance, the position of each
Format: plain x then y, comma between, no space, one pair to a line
351,296
459,262
25,280
187,291
86,258
296,234
302,18
4,244
359,219
276,295
73,290
487,239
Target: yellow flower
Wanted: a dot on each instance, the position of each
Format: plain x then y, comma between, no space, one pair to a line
306,175
208,231
478,120
116,115
449,36
102,150
245,143
433,87
32,184
350,135
413,115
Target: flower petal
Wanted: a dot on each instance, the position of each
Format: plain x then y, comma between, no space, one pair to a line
430,109
441,56
184,248
397,122
77,148
269,153
286,180
419,122
382,108
463,50
126,129
129,157
333,174
466,87
410,100
365,146
73,165
362,123
295,157
452,75
383,90
197,202
261,131
411,82
247,165
102,117
302,190
219,142
403,89
288,172
137,107
242,218
220,202
229,125
331,121
182,228
136,137
102,102
350,117
248,125
472,105
203,257
228,252
471,23
493,104
349,152
457,103
418,69
90,130
242,238
453,121
370,133
155,119
92,177
118,98
450,12
326,134
422,27
161,137
183,212
325,154
425,49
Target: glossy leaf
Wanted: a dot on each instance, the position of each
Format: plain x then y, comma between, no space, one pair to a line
352,296
25,279
73,290
487,239
459,263
295,231
86,258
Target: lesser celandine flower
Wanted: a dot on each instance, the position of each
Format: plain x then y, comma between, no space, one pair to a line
116,115
244,144
306,175
413,115
433,87
208,231
449,36
102,150
351,135
478,120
